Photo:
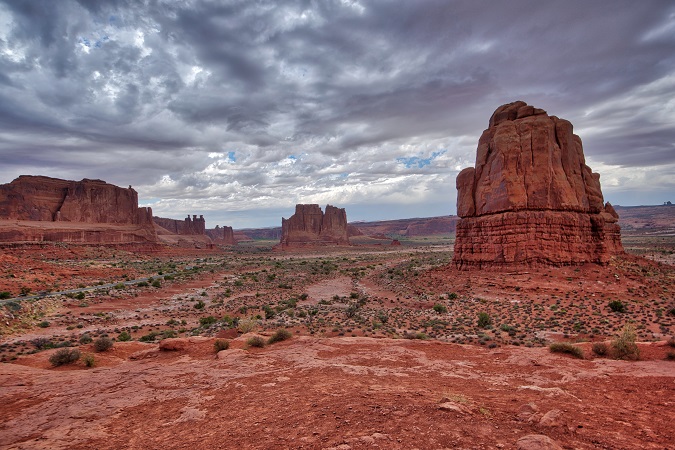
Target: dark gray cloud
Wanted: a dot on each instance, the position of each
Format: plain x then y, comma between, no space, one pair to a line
239,109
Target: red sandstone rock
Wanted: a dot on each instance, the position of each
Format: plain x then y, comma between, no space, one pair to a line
310,226
223,236
186,227
37,208
531,198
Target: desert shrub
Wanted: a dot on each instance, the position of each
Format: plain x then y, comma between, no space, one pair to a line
255,341
617,306
124,336
246,325
4,295
204,321
440,309
221,344
156,284
304,296
150,337
80,296
411,335
280,335
89,360
566,347
624,345
103,343
452,296
43,324
352,309
199,305
24,290
85,338
41,343
269,312
671,342
484,320
670,356
119,286
143,284
600,348
64,356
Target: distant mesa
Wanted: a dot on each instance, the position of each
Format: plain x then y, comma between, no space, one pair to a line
189,232
531,199
38,208
310,226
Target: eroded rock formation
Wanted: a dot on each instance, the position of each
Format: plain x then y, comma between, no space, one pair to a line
187,227
531,199
310,226
38,208
223,236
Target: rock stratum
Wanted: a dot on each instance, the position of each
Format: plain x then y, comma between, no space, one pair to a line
222,235
38,208
531,199
310,226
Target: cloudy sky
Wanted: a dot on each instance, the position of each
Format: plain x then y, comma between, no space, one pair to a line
238,110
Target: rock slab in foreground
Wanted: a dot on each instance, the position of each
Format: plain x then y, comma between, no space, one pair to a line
531,199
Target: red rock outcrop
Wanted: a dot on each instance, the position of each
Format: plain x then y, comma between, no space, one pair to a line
187,227
37,208
311,226
223,236
48,199
531,199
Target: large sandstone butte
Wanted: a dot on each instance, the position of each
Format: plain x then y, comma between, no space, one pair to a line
38,208
311,226
531,199
188,227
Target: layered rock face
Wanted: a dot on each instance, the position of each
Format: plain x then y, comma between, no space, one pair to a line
187,227
48,199
37,208
224,235
531,199
311,226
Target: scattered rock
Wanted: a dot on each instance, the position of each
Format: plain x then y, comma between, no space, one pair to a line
537,442
553,418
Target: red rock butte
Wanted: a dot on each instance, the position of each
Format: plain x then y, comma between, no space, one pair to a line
531,199
310,226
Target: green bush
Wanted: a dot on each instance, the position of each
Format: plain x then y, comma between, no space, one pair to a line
566,347
280,335
204,321
617,306
102,344
143,284
79,296
89,360
452,296
156,284
440,309
43,324
199,305
220,345
484,320
255,341
4,295
85,338
119,286
246,325
124,336
269,312
624,345
64,356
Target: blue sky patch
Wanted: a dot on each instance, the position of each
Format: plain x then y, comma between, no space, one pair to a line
419,162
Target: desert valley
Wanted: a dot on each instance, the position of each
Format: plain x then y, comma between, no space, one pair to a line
540,317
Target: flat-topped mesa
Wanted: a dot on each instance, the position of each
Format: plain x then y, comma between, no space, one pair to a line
38,198
311,226
531,199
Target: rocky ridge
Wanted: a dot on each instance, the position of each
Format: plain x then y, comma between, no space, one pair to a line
531,199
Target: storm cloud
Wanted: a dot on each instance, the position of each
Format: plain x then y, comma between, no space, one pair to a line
238,109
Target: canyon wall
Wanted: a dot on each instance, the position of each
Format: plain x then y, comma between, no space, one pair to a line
311,226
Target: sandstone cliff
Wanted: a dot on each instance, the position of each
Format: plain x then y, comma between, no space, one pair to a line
531,198
187,227
37,208
311,226
223,236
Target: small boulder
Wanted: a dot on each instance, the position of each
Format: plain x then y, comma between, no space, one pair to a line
537,442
